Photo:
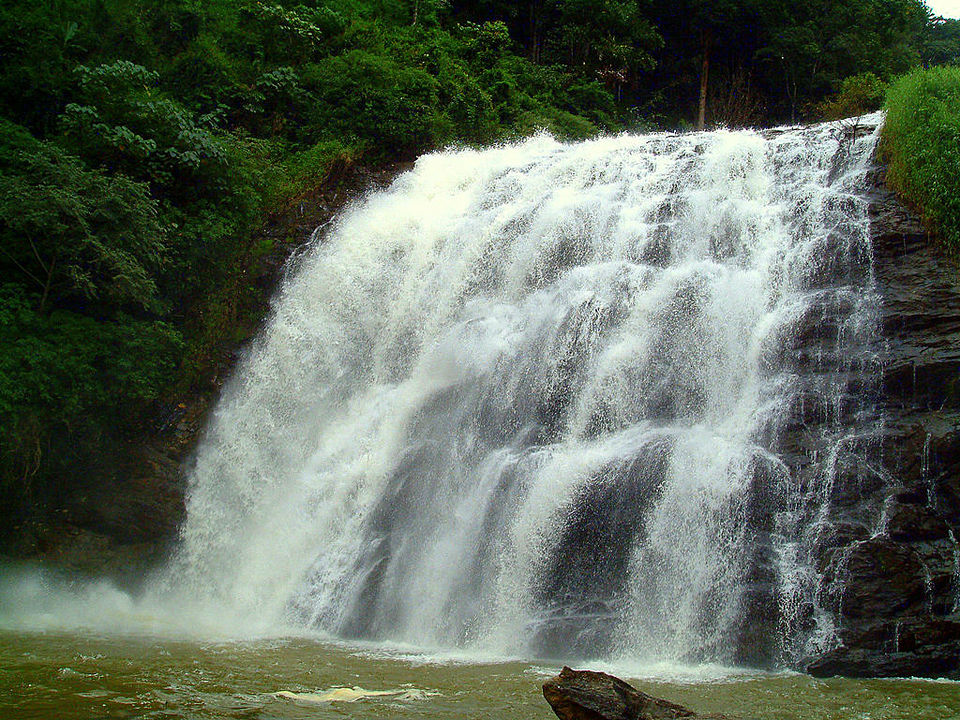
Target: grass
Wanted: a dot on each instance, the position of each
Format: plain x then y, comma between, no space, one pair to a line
921,144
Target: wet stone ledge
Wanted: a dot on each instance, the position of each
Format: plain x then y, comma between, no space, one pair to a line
896,586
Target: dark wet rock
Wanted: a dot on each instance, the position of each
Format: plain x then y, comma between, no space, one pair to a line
754,634
893,585
145,505
832,542
590,562
119,518
900,648
881,579
588,695
915,522
854,484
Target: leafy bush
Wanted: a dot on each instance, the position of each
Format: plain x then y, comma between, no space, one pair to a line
66,380
859,94
371,99
73,234
921,143
557,122
125,124
206,79
64,363
289,35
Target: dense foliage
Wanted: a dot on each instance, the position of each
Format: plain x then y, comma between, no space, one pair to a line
941,44
143,141
735,62
921,142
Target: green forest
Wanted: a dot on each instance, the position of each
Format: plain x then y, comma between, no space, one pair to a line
144,142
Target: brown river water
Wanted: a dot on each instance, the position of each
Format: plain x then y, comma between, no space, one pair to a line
58,675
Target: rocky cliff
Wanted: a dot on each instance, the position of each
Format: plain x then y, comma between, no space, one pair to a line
895,585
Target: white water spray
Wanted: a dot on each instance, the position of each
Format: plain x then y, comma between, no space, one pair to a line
534,399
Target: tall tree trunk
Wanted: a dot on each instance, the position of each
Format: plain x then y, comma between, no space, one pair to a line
48,283
706,40
791,93
535,31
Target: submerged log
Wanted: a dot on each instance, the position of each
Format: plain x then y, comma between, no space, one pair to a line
588,695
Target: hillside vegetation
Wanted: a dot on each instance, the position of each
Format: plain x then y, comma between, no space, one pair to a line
921,143
143,142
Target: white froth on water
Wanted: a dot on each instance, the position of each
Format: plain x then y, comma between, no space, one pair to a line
353,694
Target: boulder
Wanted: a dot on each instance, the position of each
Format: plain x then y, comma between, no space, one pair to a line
588,695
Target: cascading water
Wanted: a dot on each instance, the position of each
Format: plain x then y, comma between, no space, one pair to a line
538,399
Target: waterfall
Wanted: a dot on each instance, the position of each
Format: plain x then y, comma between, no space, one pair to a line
544,398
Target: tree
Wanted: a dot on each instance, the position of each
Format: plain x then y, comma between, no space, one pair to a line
814,46
78,235
611,41
697,31
941,42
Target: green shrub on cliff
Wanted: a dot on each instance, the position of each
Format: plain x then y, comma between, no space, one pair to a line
859,94
370,99
921,143
75,236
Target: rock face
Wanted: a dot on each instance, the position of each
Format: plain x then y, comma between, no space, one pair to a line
894,586
588,695
121,515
